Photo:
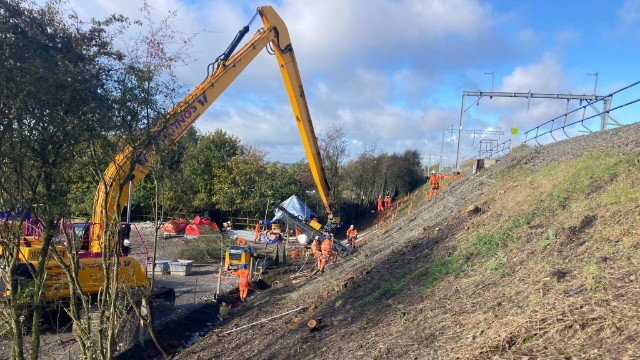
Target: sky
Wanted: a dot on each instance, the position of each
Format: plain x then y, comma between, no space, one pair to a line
391,73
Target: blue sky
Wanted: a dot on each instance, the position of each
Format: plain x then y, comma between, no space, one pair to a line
392,73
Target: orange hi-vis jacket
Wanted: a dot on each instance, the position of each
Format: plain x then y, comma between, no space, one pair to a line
315,246
326,247
352,233
244,278
434,182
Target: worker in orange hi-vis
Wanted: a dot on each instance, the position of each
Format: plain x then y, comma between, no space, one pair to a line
241,241
380,204
333,255
441,182
244,278
256,231
387,202
352,235
317,252
326,252
435,185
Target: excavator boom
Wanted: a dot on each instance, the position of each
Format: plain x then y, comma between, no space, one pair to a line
128,171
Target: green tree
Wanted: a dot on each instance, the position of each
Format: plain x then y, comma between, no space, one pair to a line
65,91
281,182
176,188
334,149
53,101
205,162
237,188
404,172
362,181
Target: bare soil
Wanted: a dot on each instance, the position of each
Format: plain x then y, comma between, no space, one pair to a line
376,304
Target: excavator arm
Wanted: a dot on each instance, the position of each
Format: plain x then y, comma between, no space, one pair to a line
128,169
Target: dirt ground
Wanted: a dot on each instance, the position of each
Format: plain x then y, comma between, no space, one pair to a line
540,304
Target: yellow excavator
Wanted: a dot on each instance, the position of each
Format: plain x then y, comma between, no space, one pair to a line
128,169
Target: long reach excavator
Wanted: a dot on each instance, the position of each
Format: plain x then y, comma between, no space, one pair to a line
128,169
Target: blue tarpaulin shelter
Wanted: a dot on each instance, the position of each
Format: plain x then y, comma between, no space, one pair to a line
297,207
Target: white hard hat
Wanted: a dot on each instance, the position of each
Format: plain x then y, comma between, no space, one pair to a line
433,172
351,227
126,242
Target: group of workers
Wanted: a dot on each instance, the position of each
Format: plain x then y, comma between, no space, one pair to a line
384,204
322,251
323,248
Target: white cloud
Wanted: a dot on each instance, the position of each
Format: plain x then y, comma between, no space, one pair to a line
545,76
629,14
391,72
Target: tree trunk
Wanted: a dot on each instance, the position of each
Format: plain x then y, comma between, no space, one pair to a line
17,351
35,331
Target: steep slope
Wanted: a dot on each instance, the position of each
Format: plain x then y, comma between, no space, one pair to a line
546,266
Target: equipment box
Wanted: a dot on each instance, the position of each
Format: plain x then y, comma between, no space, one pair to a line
181,267
237,256
161,266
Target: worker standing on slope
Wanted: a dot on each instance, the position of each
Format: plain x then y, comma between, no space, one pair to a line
256,231
317,252
352,235
326,252
387,202
435,185
333,255
244,278
380,205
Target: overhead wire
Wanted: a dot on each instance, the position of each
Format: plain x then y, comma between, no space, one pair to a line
469,155
588,103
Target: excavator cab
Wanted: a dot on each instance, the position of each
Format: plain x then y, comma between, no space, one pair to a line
80,233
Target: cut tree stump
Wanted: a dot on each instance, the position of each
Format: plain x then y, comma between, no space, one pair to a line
313,324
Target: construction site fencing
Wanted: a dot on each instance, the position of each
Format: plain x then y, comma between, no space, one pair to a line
243,223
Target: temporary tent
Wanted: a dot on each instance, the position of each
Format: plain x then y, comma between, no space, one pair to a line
297,207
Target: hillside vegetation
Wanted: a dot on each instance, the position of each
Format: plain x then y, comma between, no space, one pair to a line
545,266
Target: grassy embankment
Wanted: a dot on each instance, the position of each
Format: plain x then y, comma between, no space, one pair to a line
568,228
